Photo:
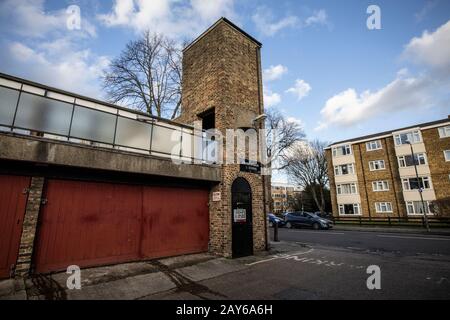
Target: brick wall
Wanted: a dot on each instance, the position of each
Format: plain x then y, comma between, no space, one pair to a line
439,168
332,182
29,226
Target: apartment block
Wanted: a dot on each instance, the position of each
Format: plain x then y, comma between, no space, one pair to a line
282,194
375,175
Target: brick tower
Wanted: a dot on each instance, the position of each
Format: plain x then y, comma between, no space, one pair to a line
222,88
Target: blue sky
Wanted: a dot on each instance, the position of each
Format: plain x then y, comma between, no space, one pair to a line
322,66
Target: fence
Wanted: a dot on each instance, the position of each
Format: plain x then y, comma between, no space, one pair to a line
441,222
32,109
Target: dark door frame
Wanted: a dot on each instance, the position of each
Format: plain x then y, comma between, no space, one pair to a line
242,231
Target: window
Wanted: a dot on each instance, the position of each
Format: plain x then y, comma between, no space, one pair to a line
380,186
344,169
407,161
373,145
414,184
404,138
383,207
444,132
347,188
376,165
342,150
416,207
447,155
351,208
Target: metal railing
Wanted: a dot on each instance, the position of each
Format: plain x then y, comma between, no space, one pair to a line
409,221
33,109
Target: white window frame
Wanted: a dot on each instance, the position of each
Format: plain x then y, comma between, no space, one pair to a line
407,186
373,145
346,147
373,163
419,156
383,207
415,135
356,209
410,204
447,158
444,132
350,169
383,183
352,188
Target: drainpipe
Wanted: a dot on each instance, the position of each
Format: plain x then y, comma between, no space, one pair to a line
263,177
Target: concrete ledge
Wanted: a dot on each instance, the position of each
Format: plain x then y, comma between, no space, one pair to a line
41,150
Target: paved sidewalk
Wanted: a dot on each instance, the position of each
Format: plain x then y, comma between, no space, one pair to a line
137,280
386,229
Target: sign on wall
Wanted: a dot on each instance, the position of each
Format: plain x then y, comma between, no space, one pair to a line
216,196
239,215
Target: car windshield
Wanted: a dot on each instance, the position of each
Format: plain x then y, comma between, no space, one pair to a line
312,214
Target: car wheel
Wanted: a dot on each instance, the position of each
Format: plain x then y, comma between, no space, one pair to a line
289,225
316,226
271,224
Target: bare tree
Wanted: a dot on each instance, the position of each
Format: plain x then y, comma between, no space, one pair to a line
281,135
307,166
147,76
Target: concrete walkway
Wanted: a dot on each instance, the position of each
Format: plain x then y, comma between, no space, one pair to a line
138,280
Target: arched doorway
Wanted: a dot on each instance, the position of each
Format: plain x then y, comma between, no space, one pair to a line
241,218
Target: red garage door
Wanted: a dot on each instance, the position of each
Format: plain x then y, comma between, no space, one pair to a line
13,201
90,223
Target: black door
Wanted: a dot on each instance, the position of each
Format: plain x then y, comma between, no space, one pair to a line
241,218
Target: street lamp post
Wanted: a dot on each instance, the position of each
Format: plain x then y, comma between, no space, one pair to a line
420,188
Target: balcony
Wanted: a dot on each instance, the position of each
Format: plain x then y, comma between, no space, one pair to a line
31,109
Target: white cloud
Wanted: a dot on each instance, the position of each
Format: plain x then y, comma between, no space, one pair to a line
274,72
432,49
174,18
266,24
350,108
295,120
75,71
301,89
406,92
28,18
271,99
319,17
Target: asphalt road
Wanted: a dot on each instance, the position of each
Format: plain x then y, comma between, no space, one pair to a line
399,243
333,265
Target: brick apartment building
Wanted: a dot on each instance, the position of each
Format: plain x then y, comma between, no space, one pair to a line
374,175
282,195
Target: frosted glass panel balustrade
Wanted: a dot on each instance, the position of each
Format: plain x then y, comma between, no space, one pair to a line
166,140
93,125
133,134
43,114
8,102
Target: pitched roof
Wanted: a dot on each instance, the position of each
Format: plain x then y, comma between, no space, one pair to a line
374,135
223,19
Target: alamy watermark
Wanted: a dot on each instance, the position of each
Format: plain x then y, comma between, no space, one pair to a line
374,280
74,280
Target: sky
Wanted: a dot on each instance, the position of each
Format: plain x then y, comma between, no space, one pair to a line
322,66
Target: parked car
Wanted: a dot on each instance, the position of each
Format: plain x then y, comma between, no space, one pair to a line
306,219
325,215
273,219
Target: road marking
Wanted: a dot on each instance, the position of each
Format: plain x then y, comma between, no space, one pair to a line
280,257
421,238
319,232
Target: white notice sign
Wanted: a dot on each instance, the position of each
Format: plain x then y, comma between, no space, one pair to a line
239,215
216,196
